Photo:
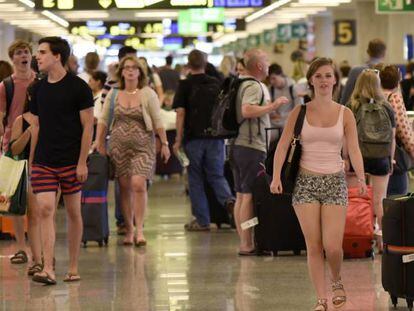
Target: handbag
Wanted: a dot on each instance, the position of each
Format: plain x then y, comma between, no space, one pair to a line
13,186
403,160
290,167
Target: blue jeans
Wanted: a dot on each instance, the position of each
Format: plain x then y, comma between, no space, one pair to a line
398,184
206,163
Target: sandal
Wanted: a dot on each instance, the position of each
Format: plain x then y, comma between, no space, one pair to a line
19,258
36,268
321,305
45,279
139,243
253,252
338,300
71,277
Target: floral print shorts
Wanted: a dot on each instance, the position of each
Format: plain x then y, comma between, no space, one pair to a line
330,189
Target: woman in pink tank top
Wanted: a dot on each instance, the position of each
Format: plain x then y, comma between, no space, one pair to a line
320,196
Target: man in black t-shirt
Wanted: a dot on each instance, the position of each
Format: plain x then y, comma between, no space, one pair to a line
193,102
63,105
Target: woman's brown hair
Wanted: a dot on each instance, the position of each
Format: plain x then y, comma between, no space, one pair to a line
390,77
313,68
142,79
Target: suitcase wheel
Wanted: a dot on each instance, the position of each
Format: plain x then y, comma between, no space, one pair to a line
106,241
370,253
84,244
296,252
100,243
394,301
409,303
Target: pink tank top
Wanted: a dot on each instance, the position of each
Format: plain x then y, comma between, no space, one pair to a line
322,146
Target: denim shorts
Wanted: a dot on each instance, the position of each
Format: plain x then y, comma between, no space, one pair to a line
330,189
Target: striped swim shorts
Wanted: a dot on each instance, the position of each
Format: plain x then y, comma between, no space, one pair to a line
48,179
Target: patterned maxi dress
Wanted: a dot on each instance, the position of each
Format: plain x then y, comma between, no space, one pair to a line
131,146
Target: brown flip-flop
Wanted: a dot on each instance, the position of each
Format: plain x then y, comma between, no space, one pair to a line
45,279
71,277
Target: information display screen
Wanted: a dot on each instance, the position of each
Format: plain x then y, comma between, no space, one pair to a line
144,4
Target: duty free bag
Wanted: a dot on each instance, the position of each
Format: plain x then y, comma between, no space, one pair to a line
13,185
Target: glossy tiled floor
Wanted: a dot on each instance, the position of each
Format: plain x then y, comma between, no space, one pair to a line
180,271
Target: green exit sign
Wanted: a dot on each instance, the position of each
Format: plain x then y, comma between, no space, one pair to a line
394,6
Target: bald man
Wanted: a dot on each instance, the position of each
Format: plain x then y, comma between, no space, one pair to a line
253,107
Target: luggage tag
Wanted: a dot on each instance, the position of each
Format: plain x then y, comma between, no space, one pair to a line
408,258
250,223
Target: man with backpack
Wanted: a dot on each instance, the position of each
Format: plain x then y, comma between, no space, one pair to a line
194,102
253,107
281,85
13,92
13,88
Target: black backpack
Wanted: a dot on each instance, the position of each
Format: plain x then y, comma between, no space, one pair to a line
224,116
9,88
202,97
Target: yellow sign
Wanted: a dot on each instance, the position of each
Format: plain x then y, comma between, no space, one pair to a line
65,4
49,3
59,4
105,3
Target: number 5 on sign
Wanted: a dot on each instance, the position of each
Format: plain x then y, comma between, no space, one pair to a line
345,32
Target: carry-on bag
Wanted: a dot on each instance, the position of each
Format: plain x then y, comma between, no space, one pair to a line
218,213
13,185
398,254
94,201
359,226
278,227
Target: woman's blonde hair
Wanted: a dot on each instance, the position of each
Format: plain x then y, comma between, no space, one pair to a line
228,65
367,88
142,79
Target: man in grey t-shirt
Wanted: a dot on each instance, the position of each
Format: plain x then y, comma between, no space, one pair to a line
253,108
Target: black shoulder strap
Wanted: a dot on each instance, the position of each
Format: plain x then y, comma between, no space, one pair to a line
299,121
272,93
291,93
9,88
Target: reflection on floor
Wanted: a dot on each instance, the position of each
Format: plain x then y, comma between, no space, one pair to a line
180,271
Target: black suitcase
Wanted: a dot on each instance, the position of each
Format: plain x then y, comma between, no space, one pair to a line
94,201
398,255
218,213
278,228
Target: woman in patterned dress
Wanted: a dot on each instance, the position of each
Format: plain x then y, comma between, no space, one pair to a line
390,77
132,142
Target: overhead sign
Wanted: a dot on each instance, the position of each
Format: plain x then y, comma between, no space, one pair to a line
284,32
299,31
394,6
345,32
140,43
228,26
123,28
144,4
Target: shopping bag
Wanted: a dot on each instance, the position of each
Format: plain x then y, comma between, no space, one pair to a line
13,186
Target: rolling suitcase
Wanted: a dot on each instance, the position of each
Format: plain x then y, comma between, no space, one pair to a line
359,226
398,255
218,213
278,228
94,201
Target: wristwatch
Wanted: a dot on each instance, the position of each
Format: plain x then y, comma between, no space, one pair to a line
165,143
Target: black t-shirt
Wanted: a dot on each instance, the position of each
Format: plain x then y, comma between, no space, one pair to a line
60,130
186,93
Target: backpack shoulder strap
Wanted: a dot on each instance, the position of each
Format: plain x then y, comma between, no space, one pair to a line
112,105
9,88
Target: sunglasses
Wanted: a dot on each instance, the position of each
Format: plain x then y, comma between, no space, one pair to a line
376,71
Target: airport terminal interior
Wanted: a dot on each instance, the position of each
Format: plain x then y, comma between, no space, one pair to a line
177,268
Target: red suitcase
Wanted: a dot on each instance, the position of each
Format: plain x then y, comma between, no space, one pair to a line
359,227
